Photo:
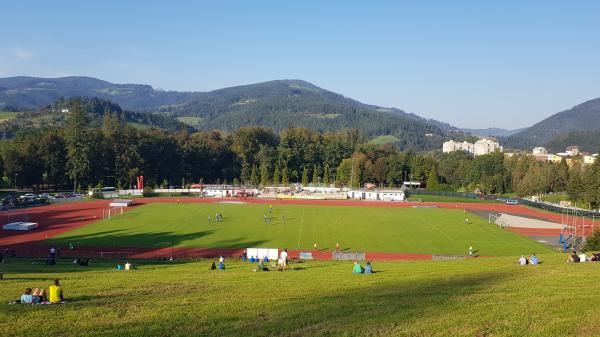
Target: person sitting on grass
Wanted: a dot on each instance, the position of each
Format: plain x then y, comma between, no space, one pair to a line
27,297
221,266
522,261
39,295
261,266
357,268
213,266
368,268
573,258
533,259
119,266
55,293
252,260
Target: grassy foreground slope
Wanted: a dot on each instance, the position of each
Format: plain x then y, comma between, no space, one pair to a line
484,297
373,229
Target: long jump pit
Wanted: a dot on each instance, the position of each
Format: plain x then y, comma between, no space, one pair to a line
543,231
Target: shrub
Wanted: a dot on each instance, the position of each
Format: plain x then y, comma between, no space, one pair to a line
148,192
593,242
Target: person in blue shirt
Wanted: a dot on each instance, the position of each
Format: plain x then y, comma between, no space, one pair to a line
27,298
368,268
221,266
533,259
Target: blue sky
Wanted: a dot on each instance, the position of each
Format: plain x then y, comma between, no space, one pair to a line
470,63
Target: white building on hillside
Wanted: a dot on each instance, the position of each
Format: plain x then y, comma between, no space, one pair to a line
480,147
451,146
572,150
486,146
539,151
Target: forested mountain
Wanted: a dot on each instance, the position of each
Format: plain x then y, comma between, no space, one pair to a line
35,92
582,117
56,115
294,103
492,132
276,104
587,140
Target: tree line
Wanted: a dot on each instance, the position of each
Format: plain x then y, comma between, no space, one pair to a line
78,156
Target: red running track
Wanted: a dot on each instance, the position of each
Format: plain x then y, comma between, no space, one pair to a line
59,218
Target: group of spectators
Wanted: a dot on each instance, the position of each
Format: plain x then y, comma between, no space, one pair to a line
358,269
533,259
582,257
40,296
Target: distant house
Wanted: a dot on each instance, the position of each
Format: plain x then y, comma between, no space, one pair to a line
589,160
64,110
572,150
555,158
540,150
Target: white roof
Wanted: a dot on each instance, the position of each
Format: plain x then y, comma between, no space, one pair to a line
20,226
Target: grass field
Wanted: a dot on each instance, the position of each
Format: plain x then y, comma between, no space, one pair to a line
480,297
371,229
7,115
190,120
442,198
380,140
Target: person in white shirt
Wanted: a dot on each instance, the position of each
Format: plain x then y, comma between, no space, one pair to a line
221,259
127,266
582,257
283,257
522,260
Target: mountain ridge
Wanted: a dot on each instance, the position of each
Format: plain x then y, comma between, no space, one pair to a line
277,104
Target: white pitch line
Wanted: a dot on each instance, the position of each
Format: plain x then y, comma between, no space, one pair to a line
300,233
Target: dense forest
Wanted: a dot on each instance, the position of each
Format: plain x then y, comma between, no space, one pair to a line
81,155
52,116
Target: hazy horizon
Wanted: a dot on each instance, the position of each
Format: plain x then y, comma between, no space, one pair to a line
470,64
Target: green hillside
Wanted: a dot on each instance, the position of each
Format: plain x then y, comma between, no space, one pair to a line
473,298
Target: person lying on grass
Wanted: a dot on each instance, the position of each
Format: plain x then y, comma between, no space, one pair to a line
31,297
27,297
357,268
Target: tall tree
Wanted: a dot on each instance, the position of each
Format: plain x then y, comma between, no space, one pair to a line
254,176
276,176
326,175
285,178
315,178
78,151
432,179
264,174
305,176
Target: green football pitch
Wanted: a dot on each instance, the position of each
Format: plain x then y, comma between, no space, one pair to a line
371,229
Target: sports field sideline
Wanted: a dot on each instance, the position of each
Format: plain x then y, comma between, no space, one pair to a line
376,229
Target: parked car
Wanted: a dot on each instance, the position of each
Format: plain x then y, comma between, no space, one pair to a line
511,202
